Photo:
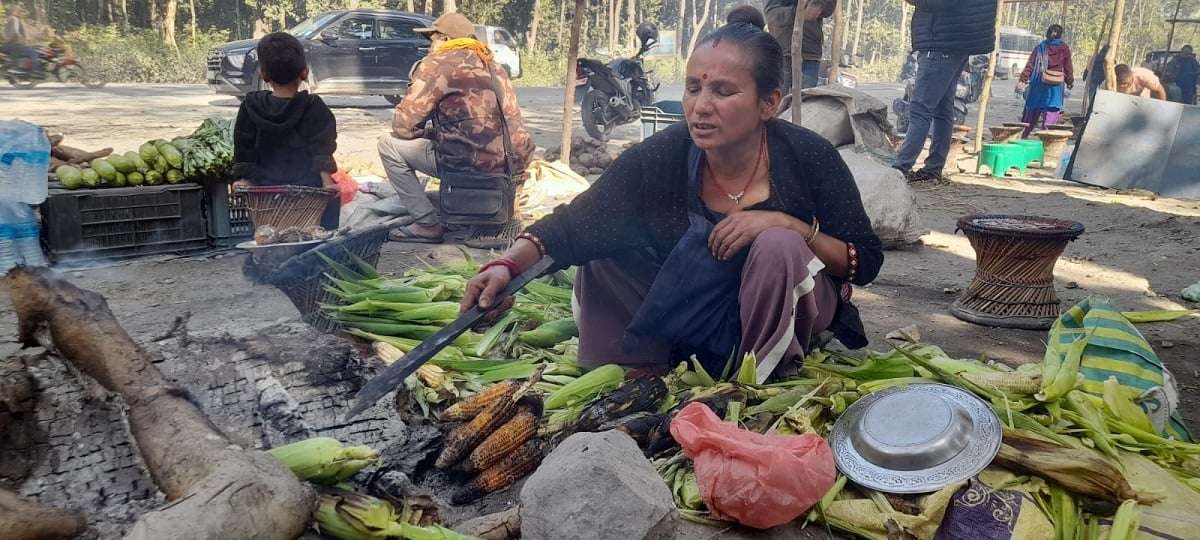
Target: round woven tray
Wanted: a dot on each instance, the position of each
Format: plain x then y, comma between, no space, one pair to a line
1013,286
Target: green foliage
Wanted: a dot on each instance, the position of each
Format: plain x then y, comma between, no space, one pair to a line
139,55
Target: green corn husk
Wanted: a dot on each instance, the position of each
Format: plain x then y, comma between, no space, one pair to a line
1121,407
1058,380
550,334
1161,315
353,516
1125,522
324,460
341,270
868,387
587,386
875,368
748,371
492,335
444,358
400,295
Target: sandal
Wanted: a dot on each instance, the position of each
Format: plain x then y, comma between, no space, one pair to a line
406,234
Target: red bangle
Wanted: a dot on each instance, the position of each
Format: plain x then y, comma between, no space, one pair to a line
537,242
514,269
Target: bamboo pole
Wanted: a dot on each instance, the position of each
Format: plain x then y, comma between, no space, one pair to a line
835,42
1171,32
1114,41
993,59
569,93
1088,97
798,58
857,33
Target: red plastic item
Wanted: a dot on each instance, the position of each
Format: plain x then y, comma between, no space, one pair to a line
760,481
346,186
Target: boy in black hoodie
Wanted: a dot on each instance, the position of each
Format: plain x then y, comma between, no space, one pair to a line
284,136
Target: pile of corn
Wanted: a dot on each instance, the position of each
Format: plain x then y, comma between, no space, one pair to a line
352,516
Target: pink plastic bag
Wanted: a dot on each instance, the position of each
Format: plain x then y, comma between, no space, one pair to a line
760,481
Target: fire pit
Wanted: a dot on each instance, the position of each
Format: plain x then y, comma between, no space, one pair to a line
1003,134
1013,286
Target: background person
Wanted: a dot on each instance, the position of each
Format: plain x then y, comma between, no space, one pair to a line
1046,72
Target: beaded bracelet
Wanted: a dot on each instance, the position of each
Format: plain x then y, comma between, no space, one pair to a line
537,242
852,261
514,269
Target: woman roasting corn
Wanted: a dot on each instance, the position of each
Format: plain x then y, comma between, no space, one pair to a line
734,233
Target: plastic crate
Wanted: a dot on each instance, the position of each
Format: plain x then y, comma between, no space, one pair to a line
661,115
227,214
89,224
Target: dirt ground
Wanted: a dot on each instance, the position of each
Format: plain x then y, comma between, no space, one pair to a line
1139,251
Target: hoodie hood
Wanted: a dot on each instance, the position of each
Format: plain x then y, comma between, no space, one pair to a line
272,114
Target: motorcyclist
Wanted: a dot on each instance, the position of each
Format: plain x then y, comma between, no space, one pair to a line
17,35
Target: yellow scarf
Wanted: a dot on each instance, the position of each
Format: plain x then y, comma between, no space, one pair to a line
467,43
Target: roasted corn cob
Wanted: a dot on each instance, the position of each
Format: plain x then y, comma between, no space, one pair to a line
507,437
501,475
464,438
472,406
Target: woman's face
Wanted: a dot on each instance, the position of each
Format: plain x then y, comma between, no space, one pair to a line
720,97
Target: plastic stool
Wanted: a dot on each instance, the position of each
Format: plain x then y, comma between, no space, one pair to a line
1000,157
1034,150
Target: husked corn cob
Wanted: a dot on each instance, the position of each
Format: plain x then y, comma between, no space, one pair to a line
472,406
503,474
508,437
324,460
464,438
1006,381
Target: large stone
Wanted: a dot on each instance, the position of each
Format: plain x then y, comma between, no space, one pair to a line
597,486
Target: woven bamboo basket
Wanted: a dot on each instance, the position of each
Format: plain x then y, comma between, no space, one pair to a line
303,277
286,206
1013,286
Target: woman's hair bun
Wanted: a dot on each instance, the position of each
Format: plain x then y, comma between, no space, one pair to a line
746,14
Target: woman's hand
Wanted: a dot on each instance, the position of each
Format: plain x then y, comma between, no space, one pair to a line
483,289
737,231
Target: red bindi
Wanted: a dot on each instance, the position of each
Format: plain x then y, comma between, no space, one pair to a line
704,76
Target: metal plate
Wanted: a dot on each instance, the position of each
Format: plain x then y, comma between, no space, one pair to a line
915,439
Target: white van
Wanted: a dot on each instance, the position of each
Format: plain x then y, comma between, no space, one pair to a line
1015,46
504,46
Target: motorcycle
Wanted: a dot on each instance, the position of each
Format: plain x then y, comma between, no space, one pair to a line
57,61
967,91
614,94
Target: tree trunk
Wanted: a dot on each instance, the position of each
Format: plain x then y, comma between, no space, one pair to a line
682,29
215,488
846,33
1114,43
631,23
904,44
192,23
614,8
798,60
562,25
40,13
152,16
449,6
698,24
569,92
411,6
109,13
836,41
993,59
168,23
857,32
124,4
531,38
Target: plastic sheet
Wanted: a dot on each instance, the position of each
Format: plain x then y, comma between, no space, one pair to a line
760,481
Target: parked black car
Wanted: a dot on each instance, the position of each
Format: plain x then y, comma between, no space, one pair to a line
350,52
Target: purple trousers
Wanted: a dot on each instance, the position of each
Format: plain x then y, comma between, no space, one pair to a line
784,300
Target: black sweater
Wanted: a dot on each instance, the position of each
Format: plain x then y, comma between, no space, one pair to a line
279,141
641,201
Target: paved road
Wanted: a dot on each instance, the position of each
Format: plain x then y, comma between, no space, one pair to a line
125,115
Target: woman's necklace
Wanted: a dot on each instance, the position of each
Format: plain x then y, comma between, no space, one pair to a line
737,197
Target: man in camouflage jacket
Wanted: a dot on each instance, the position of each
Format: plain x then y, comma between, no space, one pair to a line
453,88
